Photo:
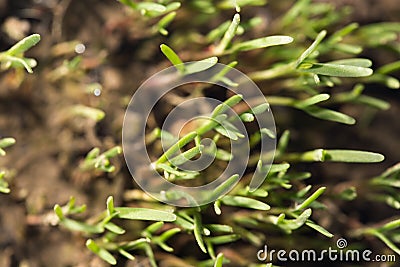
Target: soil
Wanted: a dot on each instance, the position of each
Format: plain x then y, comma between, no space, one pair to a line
120,54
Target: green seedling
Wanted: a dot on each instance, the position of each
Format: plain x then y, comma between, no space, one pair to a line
6,142
14,57
95,160
3,184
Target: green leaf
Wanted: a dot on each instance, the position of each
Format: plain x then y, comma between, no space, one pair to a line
178,173
179,195
275,168
228,130
386,240
219,228
94,153
311,101
350,156
201,65
335,70
217,207
225,187
354,156
389,68
261,43
18,62
222,239
283,141
373,102
126,254
129,3
348,194
255,238
256,193
3,184
149,253
160,240
392,202
295,11
312,48
319,229
101,252
220,75
174,148
388,182
228,4
218,31
391,225
6,142
247,117
310,199
394,170
229,34
219,260
81,227
338,35
198,232
260,108
245,202
230,102
164,22
148,6
173,57
296,223
387,80
223,155
59,212
184,223
113,152
348,48
88,112
186,156
154,227
329,115
268,132
169,233
110,205
144,214
114,228
4,188
172,6
23,45
360,62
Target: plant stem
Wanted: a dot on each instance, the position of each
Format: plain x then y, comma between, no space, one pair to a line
181,143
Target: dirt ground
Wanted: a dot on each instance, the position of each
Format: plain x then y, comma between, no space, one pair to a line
120,54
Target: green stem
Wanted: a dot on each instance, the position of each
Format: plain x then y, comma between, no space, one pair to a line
311,199
181,143
309,156
228,36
